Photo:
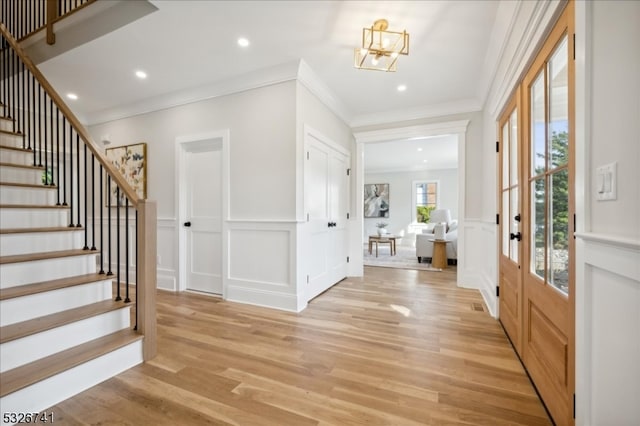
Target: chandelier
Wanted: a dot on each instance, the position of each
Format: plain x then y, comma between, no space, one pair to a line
381,48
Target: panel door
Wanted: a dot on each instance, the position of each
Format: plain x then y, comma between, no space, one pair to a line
548,279
510,276
204,221
326,197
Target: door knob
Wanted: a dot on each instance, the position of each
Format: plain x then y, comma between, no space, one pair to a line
517,217
187,224
516,236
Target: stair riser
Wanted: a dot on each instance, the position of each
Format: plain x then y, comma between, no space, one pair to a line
31,348
50,302
33,218
6,124
13,274
55,389
11,140
21,195
21,175
24,243
16,157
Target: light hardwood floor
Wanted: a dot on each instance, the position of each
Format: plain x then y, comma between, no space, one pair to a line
398,347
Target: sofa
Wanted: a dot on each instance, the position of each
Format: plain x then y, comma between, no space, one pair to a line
424,247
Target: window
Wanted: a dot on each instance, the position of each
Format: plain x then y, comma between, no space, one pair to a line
425,199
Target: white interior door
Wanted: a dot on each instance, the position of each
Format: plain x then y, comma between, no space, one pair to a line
203,223
326,185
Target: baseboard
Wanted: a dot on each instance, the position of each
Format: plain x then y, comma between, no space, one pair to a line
268,299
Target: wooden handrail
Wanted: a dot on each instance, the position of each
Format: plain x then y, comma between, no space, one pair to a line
117,177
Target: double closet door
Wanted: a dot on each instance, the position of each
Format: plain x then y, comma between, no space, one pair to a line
326,205
536,194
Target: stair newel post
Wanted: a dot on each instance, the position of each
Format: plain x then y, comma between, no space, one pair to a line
78,175
118,242
146,270
93,203
126,250
86,228
101,224
58,152
110,272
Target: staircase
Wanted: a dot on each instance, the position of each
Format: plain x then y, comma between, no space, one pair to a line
64,325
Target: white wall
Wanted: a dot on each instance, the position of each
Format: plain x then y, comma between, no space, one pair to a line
262,201
608,243
401,200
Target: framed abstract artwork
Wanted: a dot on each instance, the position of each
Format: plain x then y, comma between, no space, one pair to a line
131,161
376,200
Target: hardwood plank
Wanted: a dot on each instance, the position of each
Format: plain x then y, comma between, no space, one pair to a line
396,347
47,322
35,288
16,258
32,206
33,372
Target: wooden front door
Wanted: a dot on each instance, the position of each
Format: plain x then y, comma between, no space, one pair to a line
536,185
510,279
548,280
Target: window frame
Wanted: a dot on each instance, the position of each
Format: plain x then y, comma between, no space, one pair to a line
414,201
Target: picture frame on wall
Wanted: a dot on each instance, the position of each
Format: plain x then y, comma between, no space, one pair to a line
131,161
376,200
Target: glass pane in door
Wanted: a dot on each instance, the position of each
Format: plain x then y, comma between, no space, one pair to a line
505,156
538,195
514,225
513,146
559,105
538,125
505,218
558,274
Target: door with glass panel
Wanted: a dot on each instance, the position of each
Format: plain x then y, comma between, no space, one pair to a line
510,276
548,278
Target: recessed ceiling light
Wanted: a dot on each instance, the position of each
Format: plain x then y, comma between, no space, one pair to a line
419,149
402,88
72,96
424,161
141,74
243,42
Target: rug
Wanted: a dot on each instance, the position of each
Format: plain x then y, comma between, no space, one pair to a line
405,258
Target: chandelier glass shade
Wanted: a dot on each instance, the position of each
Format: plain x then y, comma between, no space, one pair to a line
381,48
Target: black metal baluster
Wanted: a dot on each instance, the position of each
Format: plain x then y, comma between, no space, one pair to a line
86,227
58,152
78,175
46,136
118,240
71,193
53,182
109,227
40,140
101,225
64,161
93,203
126,250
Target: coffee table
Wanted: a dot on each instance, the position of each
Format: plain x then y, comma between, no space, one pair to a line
382,239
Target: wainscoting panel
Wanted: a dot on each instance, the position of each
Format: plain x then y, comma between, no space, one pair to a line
261,269
608,330
479,269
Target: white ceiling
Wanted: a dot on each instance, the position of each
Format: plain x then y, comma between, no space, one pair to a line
437,152
190,44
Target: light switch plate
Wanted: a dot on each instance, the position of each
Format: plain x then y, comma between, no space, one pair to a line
606,185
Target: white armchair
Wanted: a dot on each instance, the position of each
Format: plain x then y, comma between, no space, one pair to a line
424,247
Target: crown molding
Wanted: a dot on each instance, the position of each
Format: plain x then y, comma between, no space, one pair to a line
535,28
431,111
253,80
316,86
